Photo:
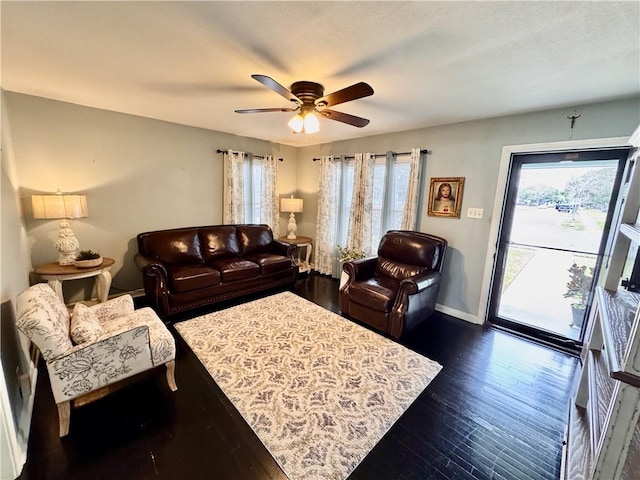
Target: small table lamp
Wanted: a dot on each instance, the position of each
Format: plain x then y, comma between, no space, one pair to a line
62,207
292,205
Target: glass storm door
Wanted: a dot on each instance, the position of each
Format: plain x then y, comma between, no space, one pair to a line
555,223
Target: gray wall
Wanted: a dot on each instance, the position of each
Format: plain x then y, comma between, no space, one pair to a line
472,150
15,265
141,174
138,174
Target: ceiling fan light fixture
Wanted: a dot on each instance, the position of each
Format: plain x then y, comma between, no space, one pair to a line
309,97
296,123
311,123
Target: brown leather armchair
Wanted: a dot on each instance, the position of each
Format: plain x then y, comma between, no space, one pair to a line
395,291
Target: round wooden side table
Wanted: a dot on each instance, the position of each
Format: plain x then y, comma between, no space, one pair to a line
304,266
55,274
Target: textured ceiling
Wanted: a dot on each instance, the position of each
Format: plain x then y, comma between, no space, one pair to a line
430,63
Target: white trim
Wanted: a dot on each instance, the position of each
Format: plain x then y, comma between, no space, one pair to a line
503,176
458,314
635,138
15,441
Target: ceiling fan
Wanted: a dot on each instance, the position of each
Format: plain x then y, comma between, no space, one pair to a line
309,97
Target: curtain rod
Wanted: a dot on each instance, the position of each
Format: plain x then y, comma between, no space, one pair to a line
255,156
375,155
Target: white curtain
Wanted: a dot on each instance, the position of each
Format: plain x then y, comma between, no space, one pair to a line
409,213
360,215
233,205
327,216
269,209
251,190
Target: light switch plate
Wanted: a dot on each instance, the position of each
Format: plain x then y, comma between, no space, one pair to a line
475,212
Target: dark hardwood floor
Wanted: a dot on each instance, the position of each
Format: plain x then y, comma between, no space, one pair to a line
497,410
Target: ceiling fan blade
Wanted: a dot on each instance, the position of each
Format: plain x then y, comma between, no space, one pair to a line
355,91
264,110
344,118
276,87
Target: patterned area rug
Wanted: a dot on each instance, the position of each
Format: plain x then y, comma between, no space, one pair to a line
317,389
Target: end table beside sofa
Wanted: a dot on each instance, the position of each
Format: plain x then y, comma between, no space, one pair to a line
300,241
55,274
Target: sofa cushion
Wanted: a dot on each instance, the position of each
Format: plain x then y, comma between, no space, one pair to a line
44,318
254,238
270,262
235,268
375,293
85,325
219,241
174,247
191,277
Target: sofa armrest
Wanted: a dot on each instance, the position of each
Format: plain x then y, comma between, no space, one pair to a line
143,262
285,249
156,282
360,269
419,283
416,301
356,270
90,366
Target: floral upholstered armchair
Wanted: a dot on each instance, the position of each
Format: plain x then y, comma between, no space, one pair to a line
94,347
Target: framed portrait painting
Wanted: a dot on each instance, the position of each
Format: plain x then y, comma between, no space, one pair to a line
445,196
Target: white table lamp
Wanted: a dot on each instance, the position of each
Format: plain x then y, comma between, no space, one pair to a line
62,206
292,205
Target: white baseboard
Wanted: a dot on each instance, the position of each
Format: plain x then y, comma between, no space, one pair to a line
468,317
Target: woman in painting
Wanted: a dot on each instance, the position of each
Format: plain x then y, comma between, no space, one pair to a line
444,201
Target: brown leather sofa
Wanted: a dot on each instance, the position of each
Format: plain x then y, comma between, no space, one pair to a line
395,291
186,268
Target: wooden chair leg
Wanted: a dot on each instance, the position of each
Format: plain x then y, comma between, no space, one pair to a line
171,379
64,417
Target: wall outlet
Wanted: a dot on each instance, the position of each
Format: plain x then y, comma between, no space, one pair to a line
475,212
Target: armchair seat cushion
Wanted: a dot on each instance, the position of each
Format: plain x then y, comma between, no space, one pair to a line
376,293
270,262
185,278
235,268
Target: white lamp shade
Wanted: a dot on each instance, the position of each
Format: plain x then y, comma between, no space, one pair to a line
59,206
292,205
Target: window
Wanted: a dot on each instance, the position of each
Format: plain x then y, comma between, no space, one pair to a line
260,186
391,180
252,190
